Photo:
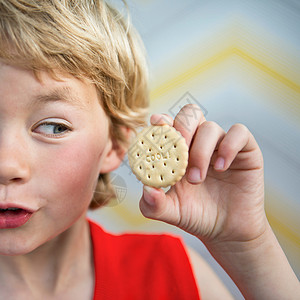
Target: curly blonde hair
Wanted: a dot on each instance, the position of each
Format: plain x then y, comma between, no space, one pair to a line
88,39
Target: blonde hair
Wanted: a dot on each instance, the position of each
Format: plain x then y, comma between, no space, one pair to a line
87,39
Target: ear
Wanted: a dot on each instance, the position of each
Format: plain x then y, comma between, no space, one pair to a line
115,154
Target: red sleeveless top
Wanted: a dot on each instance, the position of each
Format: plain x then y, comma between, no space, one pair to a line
141,267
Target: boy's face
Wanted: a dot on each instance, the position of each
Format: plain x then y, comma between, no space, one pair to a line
54,141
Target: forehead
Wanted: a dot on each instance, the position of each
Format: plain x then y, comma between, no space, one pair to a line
44,88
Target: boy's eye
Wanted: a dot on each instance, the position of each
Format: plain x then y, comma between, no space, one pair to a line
52,129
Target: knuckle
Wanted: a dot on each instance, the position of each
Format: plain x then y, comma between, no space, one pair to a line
201,156
241,127
192,110
213,128
191,106
210,125
227,148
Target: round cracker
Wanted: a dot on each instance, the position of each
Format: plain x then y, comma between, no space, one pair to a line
158,156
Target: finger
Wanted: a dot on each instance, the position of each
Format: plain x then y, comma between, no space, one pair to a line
207,138
238,139
155,205
187,121
161,119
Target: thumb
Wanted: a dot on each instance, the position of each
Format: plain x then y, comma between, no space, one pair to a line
153,204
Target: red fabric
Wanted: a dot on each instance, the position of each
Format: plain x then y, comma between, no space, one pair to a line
141,267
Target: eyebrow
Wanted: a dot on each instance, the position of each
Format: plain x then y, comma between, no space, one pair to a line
63,94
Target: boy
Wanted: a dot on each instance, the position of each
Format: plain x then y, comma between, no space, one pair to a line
72,89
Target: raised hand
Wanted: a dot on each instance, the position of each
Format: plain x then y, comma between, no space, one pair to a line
220,200
221,196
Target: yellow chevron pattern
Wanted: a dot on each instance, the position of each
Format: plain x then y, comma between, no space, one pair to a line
214,61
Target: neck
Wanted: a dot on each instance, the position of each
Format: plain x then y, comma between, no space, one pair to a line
55,266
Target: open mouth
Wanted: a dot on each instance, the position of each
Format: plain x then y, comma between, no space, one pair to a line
11,210
13,217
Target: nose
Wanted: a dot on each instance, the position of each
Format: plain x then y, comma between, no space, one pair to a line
14,165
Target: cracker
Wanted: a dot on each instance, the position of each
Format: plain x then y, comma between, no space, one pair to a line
158,156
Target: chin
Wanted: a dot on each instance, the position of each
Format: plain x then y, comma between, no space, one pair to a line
15,250
17,246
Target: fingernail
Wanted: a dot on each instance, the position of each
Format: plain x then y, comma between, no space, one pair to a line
220,163
194,175
147,195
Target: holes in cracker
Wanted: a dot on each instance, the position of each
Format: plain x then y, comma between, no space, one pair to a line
149,149
177,158
137,154
140,167
149,176
160,147
173,171
161,177
153,167
142,142
175,146
166,136
152,135
165,164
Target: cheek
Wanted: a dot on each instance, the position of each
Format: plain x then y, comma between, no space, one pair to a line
73,172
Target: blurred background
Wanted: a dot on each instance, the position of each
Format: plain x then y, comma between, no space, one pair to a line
240,61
